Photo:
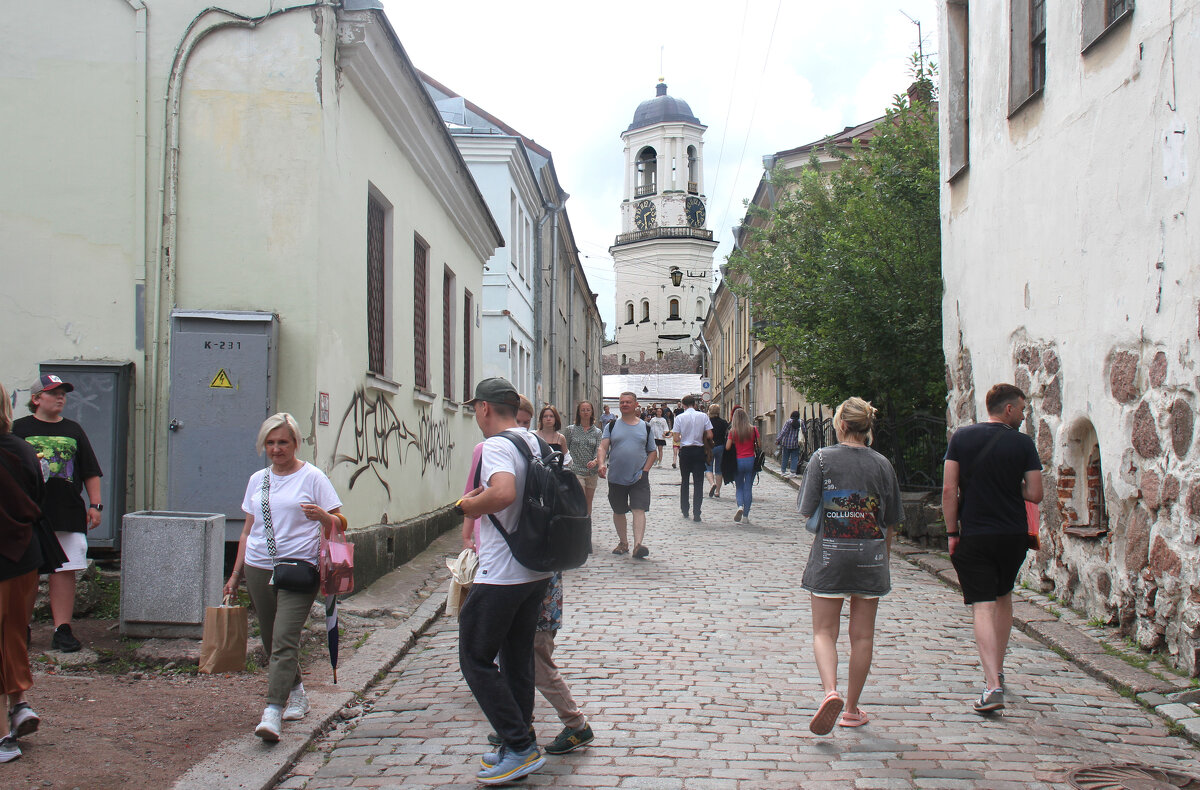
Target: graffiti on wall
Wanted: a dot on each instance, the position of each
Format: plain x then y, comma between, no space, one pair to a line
374,439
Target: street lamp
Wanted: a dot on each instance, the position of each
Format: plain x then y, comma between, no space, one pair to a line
676,276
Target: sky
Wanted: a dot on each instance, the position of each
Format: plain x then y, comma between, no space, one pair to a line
762,75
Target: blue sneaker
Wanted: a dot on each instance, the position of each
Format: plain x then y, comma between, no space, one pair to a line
511,765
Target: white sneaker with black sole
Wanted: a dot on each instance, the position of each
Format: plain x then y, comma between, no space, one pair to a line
297,706
22,720
268,729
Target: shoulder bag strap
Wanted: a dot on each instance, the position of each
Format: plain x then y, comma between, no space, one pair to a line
527,454
266,516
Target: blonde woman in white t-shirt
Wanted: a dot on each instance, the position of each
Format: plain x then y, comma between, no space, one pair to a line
300,500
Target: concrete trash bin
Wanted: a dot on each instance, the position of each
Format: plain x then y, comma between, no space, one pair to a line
171,567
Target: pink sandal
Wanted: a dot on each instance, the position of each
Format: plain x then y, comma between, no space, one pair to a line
823,720
854,719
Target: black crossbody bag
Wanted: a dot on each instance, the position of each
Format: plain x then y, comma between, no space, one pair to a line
293,575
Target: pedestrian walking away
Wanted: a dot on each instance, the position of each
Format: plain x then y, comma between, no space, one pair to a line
583,442
720,431
693,428
788,442
659,425
69,468
21,489
743,442
287,505
498,620
855,493
991,471
626,454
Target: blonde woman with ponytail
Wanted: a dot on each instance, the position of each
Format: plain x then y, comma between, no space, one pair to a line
855,491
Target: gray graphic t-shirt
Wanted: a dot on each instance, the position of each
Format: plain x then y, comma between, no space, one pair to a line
857,490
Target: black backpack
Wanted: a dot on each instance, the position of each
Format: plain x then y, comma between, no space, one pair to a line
554,532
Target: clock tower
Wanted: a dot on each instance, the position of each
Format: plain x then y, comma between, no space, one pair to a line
663,255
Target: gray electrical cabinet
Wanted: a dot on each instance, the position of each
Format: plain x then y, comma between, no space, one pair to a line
223,374
101,403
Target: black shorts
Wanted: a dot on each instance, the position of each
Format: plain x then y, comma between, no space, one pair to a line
661,442
630,497
987,565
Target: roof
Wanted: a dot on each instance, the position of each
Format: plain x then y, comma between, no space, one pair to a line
662,109
842,139
483,114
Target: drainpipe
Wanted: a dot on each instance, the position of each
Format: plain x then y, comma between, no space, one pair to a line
769,166
570,340
554,209
539,254
165,255
141,244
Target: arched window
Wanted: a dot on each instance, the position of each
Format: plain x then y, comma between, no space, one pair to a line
624,359
645,310
699,309
693,171
674,310
629,312
647,172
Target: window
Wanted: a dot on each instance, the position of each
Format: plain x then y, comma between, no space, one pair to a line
1027,52
699,309
514,231
647,172
468,387
379,280
1100,16
674,310
420,314
645,311
693,186
624,359
629,312
448,324
957,96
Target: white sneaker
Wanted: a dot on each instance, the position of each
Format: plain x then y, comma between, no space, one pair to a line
297,706
268,728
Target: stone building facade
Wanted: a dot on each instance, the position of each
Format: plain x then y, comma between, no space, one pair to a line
1070,266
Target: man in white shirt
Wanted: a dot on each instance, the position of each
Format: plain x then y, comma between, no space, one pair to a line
693,428
500,615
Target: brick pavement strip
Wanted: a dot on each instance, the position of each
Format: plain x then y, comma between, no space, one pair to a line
695,669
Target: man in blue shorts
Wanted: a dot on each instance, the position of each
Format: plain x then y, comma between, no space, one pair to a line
991,471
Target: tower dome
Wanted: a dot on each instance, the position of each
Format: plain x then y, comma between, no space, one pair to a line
662,108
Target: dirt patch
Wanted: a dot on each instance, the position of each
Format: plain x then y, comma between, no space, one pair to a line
124,720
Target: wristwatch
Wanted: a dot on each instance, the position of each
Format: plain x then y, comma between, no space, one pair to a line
98,508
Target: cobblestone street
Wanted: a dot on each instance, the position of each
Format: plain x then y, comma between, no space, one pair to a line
695,670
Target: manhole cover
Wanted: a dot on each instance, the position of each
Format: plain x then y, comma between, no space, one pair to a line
1130,776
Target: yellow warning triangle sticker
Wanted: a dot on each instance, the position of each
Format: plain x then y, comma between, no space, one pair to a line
221,381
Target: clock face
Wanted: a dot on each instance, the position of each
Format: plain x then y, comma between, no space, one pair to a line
694,208
645,216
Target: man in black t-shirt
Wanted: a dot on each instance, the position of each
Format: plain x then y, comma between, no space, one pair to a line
991,471
69,467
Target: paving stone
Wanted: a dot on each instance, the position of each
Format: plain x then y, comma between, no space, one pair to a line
1175,712
695,669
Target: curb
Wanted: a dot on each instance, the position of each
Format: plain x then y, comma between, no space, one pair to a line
239,762
1166,699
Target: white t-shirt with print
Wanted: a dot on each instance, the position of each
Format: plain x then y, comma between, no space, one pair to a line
659,426
497,565
295,536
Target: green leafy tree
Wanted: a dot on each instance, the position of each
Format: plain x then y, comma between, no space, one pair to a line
845,269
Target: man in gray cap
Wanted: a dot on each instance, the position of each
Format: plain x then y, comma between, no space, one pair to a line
500,615
69,467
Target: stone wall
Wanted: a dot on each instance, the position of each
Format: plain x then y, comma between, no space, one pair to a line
1120,528
671,362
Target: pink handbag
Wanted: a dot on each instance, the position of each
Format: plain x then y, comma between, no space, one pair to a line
337,560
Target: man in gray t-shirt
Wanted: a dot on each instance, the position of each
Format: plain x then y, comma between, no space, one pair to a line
626,454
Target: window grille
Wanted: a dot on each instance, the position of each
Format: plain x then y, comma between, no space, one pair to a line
1037,44
420,315
376,282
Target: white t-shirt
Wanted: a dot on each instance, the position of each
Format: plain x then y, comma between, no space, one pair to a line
295,536
659,426
497,565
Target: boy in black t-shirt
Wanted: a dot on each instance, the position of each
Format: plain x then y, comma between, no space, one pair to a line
69,467
991,471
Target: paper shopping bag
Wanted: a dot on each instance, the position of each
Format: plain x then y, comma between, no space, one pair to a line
223,648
